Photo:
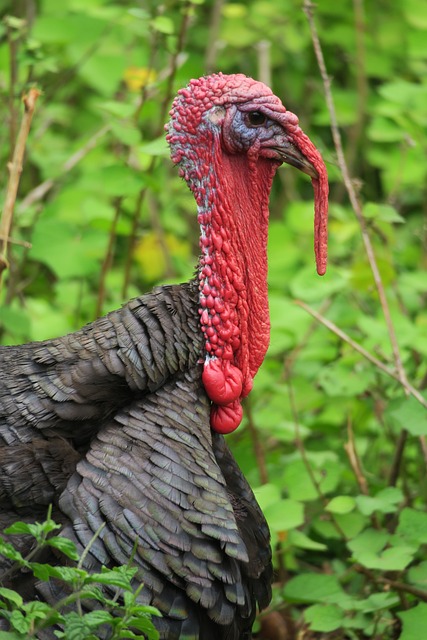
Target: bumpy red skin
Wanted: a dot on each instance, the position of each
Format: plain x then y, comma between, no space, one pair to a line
231,184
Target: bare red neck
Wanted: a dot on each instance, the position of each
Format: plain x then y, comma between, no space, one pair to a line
232,201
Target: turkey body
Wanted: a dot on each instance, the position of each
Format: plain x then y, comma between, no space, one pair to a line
111,425
119,425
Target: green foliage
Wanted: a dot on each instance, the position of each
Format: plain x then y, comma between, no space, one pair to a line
342,440
121,615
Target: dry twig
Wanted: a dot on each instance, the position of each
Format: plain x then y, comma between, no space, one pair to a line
351,451
15,170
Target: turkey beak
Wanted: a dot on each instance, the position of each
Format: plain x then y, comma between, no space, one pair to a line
290,154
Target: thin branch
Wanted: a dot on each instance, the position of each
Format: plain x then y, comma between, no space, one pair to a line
351,451
108,258
20,243
13,75
404,588
400,375
15,170
43,188
256,443
397,460
357,347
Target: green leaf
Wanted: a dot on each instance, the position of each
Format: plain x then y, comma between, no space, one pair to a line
371,539
418,575
15,320
66,546
118,109
368,548
21,528
267,494
341,504
96,618
163,24
306,286
284,515
19,622
14,23
62,248
383,212
8,551
126,132
118,577
11,635
157,147
76,627
414,623
378,601
314,587
143,623
413,525
340,380
324,617
302,541
298,482
37,530
408,413
351,524
385,501
384,129
11,596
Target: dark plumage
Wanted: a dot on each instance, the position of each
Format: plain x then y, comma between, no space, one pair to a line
120,423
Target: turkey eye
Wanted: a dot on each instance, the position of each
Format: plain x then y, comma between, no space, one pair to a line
256,118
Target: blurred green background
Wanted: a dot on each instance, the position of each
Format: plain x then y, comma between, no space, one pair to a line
334,447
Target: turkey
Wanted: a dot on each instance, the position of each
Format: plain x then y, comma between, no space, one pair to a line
121,423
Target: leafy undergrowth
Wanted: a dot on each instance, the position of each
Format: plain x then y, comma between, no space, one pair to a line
83,612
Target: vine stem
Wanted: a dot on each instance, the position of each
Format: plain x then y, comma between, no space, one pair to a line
308,9
15,170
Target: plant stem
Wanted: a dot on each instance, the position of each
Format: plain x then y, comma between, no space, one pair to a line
357,347
351,451
108,258
15,170
256,444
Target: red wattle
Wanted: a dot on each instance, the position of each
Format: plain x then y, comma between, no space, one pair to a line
222,381
226,419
